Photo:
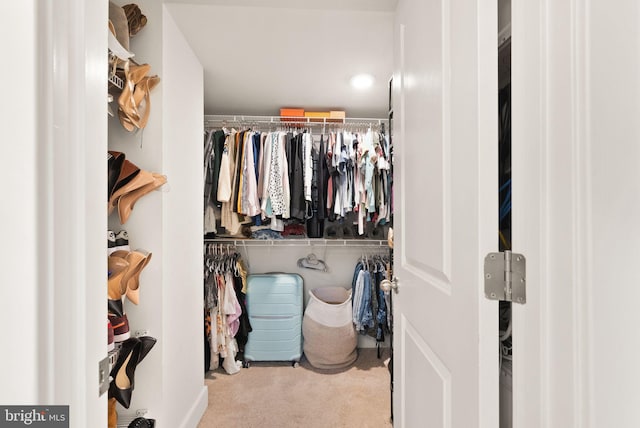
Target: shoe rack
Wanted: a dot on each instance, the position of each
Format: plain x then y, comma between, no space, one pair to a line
131,184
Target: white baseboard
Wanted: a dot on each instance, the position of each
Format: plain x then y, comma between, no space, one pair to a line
192,418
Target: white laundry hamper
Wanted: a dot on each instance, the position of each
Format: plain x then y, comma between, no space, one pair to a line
330,339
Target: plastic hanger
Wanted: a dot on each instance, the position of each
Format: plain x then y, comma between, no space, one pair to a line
312,262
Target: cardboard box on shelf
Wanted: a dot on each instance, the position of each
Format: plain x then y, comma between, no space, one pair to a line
317,116
292,112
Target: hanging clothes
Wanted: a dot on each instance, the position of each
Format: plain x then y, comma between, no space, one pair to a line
226,184
369,302
295,155
226,319
269,180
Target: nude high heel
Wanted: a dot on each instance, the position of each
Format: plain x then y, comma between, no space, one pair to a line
142,259
128,171
127,201
141,179
112,414
137,261
118,268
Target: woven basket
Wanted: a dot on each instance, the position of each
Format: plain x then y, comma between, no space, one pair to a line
330,340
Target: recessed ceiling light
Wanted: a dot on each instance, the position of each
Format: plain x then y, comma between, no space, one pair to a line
362,81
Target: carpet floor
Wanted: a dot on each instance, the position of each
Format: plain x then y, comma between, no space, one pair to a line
276,395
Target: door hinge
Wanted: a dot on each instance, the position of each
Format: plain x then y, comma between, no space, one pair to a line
103,376
505,277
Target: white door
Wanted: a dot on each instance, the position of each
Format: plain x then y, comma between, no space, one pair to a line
445,143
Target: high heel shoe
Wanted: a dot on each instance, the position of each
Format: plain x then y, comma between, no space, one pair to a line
112,421
118,268
127,173
137,261
127,201
141,179
115,161
123,372
146,343
133,285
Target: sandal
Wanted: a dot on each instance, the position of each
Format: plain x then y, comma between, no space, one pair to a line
128,113
142,99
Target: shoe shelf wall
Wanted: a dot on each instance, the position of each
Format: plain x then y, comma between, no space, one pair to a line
168,224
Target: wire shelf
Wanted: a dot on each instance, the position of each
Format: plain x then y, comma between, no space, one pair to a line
300,242
213,121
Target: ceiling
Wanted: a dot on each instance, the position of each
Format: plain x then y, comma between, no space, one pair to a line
261,55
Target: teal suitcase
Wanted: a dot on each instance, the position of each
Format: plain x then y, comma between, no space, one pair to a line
274,304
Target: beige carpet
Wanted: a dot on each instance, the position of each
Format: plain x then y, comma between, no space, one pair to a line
276,395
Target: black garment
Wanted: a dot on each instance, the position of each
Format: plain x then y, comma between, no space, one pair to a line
207,353
209,161
323,181
257,137
238,171
245,325
218,147
334,176
296,178
315,226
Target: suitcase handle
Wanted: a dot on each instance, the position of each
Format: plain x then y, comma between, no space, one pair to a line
271,317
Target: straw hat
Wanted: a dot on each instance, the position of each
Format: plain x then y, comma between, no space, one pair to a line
119,32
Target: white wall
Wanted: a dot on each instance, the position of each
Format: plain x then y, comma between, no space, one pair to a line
183,347
340,260
613,149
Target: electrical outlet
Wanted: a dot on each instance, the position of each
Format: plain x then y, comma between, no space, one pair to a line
140,333
141,412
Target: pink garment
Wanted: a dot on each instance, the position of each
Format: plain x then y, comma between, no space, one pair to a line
231,306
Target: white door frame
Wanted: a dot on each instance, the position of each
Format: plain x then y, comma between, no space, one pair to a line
551,213
72,222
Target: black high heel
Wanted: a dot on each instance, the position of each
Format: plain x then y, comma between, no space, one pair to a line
123,371
146,343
